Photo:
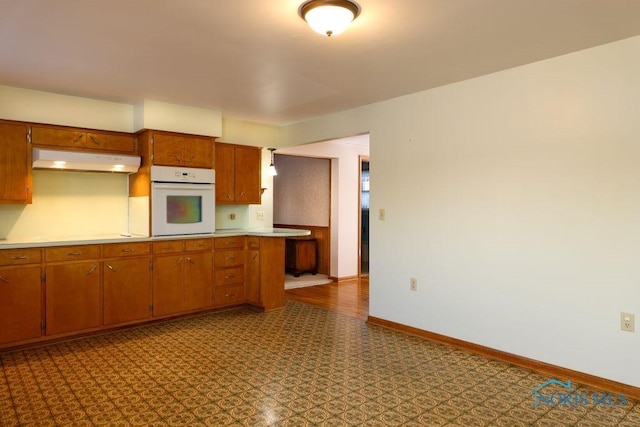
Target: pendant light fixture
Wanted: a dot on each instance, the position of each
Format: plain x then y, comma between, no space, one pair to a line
272,169
329,17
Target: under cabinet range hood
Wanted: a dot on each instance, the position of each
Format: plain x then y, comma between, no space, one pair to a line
44,158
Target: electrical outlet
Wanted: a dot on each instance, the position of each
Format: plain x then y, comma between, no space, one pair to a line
381,214
260,215
627,321
232,216
413,284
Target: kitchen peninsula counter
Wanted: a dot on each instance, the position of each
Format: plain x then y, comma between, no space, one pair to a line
42,242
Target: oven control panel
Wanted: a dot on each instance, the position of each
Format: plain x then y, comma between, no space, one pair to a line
178,174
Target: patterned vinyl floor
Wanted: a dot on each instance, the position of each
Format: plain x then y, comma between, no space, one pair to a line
296,367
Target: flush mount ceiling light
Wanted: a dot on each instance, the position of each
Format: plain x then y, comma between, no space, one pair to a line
329,17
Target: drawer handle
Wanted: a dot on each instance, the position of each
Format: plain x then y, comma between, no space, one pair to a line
111,268
229,295
229,277
230,258
19,257
128,250
199,245
92,269
74,253
4,280
166,247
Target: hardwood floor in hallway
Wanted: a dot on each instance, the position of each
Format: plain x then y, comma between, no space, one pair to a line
350,297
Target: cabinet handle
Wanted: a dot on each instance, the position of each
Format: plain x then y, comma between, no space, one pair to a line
189,259
95,140
230,258
111,268
4,280
92,269
74,253
178,158
229,277
128,250
77,138
178,261
241,194
229,295
19,257
255,256
227,195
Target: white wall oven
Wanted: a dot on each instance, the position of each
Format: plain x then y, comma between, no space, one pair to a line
182,201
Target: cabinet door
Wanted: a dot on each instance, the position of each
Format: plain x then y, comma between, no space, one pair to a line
252,276
198,280
224,173
20,304
167,150
58,137
111,142
15,164
127,290
167,284
247,175
198,152
73,300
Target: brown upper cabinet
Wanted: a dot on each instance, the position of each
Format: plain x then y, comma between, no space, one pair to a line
15,164
172,149
238,174
82,139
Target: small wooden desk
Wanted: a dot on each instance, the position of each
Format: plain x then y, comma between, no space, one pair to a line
300,255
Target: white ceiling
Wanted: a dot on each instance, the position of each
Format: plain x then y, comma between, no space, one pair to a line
257,60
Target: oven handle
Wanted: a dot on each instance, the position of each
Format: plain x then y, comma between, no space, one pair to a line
181,186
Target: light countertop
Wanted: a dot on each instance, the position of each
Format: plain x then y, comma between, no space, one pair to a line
34,242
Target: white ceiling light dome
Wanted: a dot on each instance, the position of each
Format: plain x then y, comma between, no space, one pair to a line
329,17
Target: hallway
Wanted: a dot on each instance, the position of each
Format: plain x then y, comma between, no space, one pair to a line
350,297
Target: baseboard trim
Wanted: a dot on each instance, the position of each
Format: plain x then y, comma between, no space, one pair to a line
343,278
599,383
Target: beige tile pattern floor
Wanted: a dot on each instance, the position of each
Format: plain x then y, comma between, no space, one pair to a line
301,366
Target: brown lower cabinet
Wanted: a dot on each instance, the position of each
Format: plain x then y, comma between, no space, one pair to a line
47,293
73,297
20,303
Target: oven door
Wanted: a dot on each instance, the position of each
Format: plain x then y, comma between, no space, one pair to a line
179,209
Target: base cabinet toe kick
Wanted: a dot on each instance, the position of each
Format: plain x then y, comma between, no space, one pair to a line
56,292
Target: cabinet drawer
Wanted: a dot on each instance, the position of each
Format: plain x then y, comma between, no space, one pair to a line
224,259
229,242
69,253
227,295
229,276
253,242
198,244
110,142
20,256
126,249
168,247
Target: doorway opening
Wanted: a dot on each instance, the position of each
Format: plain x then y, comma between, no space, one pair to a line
364,217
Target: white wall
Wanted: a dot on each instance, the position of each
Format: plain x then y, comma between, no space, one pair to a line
345,211
514,199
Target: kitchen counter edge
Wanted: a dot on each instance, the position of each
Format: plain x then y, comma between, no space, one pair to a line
94,240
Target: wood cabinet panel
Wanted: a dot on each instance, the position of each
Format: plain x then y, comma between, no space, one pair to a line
15,164
198,280
229,276
167,284
20,304
248,175
229,258
229,242
229,295
182,150
20,256
72,253
73,297
111,142
238,174
58,137
252,277
127,290
115,250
